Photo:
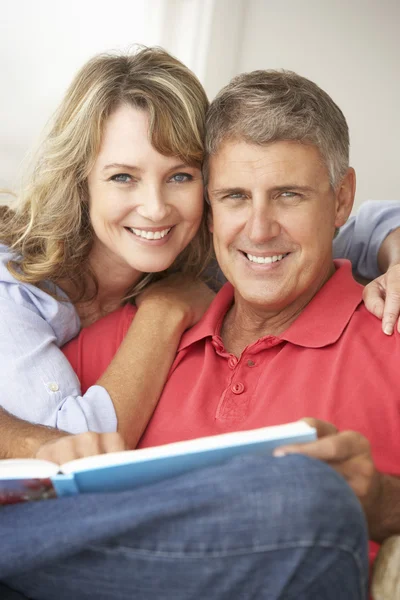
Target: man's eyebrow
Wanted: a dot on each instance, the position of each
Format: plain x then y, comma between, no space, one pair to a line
293,186
278,188
229,190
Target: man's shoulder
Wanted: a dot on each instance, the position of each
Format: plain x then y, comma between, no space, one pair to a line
366,328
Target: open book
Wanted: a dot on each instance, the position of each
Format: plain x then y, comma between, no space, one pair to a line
31,479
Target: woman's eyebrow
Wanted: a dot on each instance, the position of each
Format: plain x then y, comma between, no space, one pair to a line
121,166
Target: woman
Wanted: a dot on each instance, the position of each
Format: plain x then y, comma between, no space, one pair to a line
115,197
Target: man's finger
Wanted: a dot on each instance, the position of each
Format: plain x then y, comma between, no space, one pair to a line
322,428
333,448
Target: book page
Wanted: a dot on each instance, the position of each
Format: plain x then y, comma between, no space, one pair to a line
279,432
20,468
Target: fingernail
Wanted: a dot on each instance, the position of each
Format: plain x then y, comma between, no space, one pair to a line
279,453
387,329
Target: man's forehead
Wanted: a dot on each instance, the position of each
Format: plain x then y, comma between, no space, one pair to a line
281,159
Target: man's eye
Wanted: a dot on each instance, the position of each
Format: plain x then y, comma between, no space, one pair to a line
289,194
121,178
235,196
181,178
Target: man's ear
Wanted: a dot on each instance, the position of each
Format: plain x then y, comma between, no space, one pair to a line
345,197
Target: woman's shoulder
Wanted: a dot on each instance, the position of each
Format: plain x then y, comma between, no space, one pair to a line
57,311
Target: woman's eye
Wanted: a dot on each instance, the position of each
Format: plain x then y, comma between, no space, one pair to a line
181,177
121,178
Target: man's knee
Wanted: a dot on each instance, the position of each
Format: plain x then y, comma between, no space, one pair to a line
294,499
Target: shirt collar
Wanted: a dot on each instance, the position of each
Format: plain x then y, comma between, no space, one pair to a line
321,322
324,319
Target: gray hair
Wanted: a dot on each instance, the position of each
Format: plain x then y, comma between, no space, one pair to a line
269,106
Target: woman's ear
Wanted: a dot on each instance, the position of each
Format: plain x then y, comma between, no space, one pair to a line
345,197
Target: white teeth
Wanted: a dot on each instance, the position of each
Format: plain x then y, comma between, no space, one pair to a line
265,259
150,235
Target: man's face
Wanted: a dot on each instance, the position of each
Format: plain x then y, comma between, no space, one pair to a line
274,215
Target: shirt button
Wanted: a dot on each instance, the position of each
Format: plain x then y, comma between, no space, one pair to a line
237,388
232,362
251,363
53,387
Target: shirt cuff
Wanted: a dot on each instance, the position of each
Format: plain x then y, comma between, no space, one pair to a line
92,412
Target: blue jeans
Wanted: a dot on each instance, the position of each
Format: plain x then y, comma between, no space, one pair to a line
254,528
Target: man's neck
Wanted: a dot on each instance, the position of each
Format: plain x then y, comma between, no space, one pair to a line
245,323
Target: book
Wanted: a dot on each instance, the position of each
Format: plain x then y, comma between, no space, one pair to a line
31,479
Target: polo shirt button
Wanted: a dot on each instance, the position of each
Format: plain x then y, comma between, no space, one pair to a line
53,386
251,363
238,388
232,362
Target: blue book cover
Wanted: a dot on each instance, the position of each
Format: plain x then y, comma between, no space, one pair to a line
30,479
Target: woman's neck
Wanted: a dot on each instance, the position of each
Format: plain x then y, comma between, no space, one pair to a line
113,283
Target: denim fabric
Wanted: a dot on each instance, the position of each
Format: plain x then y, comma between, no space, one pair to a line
254,528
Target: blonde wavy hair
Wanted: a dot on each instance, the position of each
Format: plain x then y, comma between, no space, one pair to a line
49,228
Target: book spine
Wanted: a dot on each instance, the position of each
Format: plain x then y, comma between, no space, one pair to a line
65,485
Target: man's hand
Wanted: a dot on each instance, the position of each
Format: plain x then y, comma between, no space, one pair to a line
349,453
382,298
81,445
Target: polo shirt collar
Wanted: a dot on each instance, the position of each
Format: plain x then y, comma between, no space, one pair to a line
324,319
321,322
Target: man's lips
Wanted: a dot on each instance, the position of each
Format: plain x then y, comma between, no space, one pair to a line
265,259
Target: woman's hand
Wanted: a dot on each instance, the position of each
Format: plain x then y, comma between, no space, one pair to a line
71,447
180,293
382,298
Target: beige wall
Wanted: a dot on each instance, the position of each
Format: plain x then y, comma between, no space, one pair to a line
350,48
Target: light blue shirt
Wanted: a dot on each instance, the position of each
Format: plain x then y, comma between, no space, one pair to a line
37,382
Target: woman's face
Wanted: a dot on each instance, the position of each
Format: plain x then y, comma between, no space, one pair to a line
145,208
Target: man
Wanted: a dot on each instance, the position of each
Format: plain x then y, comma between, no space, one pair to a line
279,185
289,336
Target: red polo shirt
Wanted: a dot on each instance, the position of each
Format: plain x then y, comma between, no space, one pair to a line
333,363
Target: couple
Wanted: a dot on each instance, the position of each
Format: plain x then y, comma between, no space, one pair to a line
288,337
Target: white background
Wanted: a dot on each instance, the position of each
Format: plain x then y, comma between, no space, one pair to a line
350,48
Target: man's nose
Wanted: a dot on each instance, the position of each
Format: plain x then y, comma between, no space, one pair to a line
262,225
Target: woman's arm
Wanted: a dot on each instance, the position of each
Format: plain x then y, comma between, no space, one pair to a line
139,366
361,238
37,383
20,439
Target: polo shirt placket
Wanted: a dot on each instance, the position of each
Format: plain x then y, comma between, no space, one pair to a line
242,376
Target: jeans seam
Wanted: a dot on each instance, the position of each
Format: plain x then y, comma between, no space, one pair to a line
258,549
233,552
